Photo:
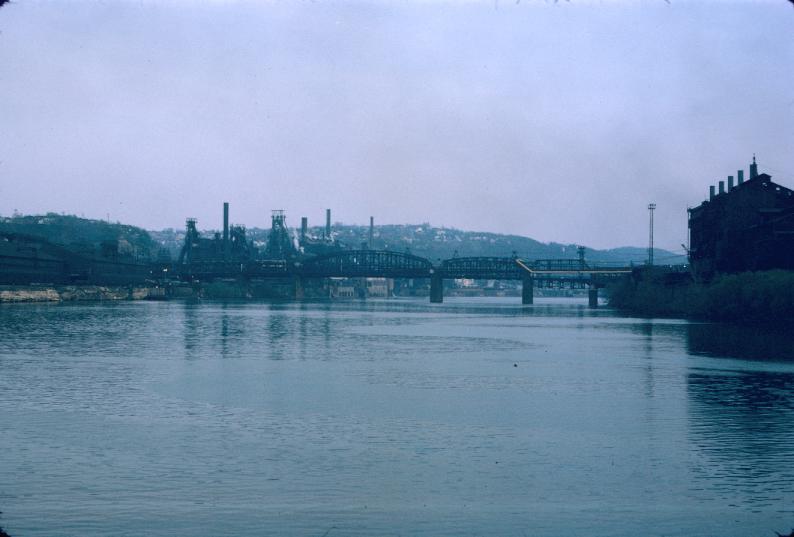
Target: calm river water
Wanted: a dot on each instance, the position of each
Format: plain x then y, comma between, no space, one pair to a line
398,417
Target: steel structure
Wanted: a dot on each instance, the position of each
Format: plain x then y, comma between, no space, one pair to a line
388,264
480,268
575,272
211,270
232,256
365,263
279,242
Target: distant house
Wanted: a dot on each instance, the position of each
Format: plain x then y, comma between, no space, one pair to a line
745,226
379,287
341,288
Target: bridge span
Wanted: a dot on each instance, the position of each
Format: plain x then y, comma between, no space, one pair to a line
387,264
574,273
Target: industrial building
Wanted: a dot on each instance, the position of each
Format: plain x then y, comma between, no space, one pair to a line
743,226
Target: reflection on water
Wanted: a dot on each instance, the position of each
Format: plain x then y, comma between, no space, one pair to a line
742,421
398,417
748,342
741,417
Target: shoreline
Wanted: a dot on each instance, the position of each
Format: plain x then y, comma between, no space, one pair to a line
14,294
276,288
744,297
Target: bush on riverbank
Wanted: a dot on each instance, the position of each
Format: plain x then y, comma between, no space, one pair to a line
731,297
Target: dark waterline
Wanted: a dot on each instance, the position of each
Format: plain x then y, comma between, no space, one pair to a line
475,417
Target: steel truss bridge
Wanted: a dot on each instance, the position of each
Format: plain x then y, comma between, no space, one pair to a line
574,273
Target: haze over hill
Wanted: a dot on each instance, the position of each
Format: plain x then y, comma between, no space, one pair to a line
420,239
435,243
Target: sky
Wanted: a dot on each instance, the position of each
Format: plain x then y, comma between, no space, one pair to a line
559,121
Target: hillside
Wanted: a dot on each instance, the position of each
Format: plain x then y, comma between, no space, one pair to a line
81,234
85,235
442,243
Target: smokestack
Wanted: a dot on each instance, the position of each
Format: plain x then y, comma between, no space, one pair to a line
328,224
730,183
304,227
753,169
225,228
711,192
741,176
371,231
722,187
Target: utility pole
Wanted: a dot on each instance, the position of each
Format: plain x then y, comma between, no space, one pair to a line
651,208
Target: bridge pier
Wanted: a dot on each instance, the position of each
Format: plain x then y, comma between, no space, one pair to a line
592,296
436,289
298,283
527,289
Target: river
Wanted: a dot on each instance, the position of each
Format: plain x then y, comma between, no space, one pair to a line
393,417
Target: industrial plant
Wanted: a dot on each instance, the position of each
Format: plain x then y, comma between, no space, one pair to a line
744,225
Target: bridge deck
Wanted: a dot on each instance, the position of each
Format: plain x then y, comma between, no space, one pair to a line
387,264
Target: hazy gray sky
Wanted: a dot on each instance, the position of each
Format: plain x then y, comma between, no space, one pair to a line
560,121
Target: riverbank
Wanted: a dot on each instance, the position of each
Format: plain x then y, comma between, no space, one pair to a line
748,296
77,293
275,288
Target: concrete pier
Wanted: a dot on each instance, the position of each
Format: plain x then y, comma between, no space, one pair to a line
298,282
592,297
527,289
436,289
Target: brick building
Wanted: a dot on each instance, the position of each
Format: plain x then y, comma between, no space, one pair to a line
743,226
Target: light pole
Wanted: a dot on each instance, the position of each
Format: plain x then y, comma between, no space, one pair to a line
651,208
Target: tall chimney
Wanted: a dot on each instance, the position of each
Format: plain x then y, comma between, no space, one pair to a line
730,183
722,187
226,229
711,192
741,176
753,169
328,224
304,227
371,231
